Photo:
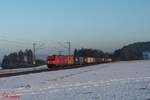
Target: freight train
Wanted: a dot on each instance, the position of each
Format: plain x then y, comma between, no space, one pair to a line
57,61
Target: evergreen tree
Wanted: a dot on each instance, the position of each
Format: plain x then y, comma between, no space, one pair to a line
21,57
76,52
5,62
29,56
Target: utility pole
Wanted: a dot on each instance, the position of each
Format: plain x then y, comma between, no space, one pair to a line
69,47
34,56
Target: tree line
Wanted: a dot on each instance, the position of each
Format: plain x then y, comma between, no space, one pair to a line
132,51
84,52
20,59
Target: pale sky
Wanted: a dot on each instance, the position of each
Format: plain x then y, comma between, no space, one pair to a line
100,24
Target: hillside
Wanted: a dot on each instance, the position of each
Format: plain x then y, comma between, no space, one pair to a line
132,52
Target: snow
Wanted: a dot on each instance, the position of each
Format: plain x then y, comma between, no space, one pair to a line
113,81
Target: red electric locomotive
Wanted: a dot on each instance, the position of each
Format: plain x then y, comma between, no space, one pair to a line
59,60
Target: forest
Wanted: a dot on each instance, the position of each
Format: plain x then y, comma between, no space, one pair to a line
20,59
131,52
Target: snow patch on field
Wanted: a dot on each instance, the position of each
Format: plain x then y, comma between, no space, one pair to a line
115,81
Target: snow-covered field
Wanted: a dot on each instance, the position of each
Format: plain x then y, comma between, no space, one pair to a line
114,81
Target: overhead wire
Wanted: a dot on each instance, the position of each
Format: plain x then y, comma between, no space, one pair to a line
27,44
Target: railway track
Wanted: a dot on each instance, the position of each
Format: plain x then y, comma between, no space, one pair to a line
17,73
13,73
